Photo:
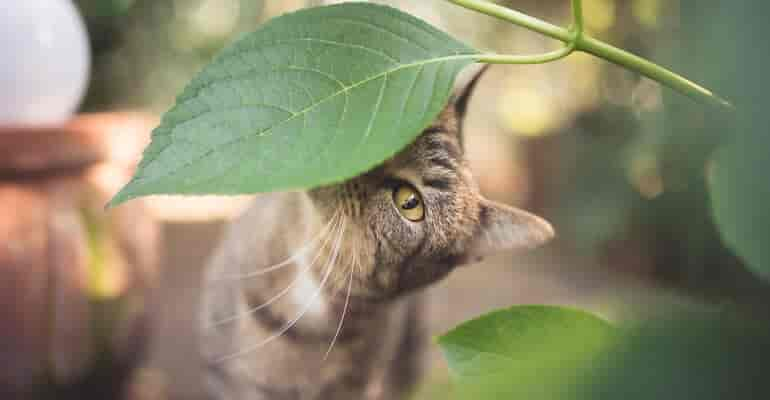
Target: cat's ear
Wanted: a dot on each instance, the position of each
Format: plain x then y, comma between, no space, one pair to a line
464,86
502,227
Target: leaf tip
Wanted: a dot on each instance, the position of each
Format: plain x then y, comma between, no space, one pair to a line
114,202
709,97
121,197
726,104
437,339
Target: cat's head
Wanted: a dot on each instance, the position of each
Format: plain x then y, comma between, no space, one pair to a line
417,216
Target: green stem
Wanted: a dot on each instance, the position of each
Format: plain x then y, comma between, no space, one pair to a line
596,47
652,71
577,9
515,17
528,59
577,18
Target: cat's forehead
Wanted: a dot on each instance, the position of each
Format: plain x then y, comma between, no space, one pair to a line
434,159
447,121
443,135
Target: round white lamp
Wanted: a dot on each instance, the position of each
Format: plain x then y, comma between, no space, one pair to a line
44,61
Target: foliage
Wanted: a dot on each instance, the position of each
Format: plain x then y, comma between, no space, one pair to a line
523,351
321,95
740,186
691,356
311,98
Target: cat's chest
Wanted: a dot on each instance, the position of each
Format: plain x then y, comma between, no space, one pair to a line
360,356
308,299
305,364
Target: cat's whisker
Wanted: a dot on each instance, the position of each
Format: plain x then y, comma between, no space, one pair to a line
283,292
353,264
302,313
289,261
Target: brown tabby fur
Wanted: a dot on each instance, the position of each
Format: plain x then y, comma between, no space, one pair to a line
372,278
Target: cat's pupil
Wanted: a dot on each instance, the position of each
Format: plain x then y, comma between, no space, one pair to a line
411,202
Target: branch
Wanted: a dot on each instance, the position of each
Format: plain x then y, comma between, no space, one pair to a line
579,41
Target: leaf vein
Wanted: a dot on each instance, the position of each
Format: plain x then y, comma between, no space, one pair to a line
317,71
376,109
400,37
342,44
409,94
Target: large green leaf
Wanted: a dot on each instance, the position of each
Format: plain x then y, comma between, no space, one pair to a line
741,196
523,352
311,98
718,43
740,184
690,356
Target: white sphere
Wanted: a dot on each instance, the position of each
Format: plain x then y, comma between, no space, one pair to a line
44,61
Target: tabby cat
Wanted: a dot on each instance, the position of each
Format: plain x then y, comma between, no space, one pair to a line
313,295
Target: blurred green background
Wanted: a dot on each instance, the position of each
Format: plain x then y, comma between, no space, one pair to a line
625,170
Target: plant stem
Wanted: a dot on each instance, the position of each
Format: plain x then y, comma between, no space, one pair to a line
528,59
577,9
516,17
596,47
577,20
652,71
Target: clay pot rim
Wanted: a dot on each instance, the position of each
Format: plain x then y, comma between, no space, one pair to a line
85,140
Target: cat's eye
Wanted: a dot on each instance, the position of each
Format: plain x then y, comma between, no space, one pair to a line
409,202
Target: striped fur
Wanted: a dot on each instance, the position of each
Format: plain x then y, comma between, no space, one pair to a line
339,266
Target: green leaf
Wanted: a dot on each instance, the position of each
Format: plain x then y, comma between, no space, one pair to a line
311,98
740,187
523,351
692,356
741,197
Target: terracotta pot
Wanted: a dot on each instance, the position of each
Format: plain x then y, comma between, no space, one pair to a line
76,282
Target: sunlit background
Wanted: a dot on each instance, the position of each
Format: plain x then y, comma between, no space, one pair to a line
584,143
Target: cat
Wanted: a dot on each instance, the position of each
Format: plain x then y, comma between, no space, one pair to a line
315,295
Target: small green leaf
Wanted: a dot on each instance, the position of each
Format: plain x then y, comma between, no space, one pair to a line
527,351
311,98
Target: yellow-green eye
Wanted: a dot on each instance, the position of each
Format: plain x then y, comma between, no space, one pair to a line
409,202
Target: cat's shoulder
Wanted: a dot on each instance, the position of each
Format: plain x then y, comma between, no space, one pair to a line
251,237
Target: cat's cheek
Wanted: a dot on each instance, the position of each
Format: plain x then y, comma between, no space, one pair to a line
402,238
402,235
